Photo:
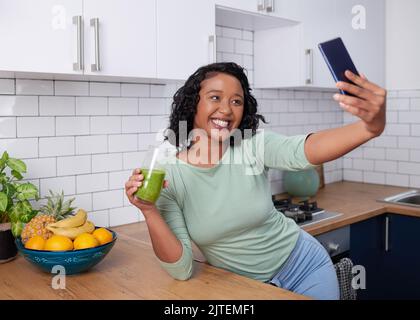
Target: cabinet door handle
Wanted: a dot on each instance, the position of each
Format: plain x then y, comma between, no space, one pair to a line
79,64
309,66
386,234
270,7
261,5
97,65
212,48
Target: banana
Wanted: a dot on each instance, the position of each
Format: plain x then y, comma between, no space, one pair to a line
72,233
75,221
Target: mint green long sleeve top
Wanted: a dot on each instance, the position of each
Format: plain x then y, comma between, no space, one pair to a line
227,210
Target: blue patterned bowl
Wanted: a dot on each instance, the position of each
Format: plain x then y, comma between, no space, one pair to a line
75,261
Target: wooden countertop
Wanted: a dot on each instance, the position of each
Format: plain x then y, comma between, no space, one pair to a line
356,202
131,271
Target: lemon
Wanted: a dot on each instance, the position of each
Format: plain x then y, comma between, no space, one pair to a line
85,241
102,235
58,243
35,243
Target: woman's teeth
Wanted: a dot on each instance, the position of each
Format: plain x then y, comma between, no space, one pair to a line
220,123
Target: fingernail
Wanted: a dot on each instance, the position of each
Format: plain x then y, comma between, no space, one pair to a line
138,184
336,97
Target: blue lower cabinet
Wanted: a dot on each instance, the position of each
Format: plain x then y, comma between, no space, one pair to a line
387,247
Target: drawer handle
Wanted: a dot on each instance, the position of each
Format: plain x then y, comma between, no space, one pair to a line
79,64
386,234
95,24
309,66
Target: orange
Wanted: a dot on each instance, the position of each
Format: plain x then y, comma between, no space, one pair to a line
35,243
102,235
58,243
84,241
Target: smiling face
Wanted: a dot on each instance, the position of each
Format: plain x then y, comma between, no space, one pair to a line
221,106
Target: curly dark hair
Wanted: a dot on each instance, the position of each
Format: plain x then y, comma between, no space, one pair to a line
185,100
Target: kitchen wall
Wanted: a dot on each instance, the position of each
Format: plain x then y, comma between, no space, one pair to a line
85,137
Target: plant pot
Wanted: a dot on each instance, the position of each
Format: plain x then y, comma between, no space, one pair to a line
8,249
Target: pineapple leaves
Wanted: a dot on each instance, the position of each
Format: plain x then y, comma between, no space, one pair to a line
3,202
26,191
17,165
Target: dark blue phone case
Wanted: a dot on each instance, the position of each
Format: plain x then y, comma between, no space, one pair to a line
338,60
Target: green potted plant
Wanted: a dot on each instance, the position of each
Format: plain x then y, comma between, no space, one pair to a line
15,208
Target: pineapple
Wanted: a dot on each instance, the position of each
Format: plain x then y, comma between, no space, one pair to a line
56,209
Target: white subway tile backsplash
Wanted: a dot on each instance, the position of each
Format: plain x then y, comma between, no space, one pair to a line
248,62
163,91
56,146
374,153
409,142
374,177
406,93
153,106
397,130
409,168
400,180
34,87
105,125
398,104
107,199
147,139
35,126
82,201
66,126
91,144
225,44
92,182
415,155
71,88
397,154
20,148
414,181
135,90
232,57
133,160
232,33
386,166
123,142
73,165
386,142
59,184
56,106
415,104
107,162
124,215
363,164
118,179
247,35
7,86
123,106
40,168
105,89
7,127
409,117
18,106
158,123
91,106
135,124
99,218
415,130
353,175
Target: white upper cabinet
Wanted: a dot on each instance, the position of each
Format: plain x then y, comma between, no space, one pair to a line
39,36
289,56
120,37
255,6
185,37
361,25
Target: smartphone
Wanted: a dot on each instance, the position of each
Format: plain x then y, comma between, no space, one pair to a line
338,60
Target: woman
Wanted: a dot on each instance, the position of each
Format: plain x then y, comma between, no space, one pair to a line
225,210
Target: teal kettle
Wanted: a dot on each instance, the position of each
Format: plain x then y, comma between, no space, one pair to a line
303,184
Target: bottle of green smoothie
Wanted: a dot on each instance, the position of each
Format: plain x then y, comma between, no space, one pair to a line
154,175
